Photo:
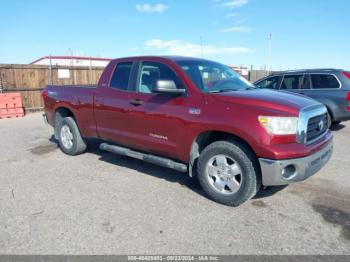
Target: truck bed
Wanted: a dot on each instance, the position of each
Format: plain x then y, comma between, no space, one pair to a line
77,98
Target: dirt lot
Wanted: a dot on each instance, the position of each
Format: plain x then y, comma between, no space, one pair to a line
99,203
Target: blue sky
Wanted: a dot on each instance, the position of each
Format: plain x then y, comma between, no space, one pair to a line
305,33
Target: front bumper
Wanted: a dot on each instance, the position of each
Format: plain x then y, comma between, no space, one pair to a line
283,172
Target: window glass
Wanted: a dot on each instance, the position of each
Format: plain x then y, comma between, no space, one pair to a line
320,81
305,82
151,72
214,77
292,81
269,83
121,75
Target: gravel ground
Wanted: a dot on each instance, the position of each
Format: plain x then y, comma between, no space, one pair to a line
100,203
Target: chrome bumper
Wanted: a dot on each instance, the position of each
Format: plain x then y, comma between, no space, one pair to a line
283,172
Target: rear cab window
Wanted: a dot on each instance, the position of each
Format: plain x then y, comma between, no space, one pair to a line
121,76
324,81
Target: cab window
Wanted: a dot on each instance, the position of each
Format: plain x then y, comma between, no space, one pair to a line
121,76
150,72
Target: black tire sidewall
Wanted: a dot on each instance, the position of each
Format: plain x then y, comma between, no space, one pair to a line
68,121
249,177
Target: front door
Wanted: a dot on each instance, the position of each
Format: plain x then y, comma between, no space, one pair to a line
158,121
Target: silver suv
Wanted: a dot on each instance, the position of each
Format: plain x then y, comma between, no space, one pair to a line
328,86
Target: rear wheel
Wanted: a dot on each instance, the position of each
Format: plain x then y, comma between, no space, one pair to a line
227,172
69,137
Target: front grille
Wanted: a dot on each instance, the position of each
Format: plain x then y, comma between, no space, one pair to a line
316,126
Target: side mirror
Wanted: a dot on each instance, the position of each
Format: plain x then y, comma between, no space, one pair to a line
167,87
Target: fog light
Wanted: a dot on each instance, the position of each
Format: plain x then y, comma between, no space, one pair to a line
289,172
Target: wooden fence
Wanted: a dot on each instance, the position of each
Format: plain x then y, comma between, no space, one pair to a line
30,80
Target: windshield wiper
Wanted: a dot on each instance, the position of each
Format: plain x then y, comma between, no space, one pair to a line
252,87
222,90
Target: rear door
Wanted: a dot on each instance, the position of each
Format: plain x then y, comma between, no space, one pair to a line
112,105
326,88
158,121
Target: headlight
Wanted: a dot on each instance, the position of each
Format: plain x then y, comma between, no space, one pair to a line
279,125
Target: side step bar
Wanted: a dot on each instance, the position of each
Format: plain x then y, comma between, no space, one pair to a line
160,161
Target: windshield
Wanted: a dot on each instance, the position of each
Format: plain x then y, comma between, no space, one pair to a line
214,77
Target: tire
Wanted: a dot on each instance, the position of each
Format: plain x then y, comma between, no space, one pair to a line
332,123
237,155
68,130
329,117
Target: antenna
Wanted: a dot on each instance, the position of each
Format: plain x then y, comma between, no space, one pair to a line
71,56
270,51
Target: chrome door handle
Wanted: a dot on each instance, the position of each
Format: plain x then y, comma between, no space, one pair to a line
136,102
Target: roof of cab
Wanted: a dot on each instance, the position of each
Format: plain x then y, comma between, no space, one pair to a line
168,57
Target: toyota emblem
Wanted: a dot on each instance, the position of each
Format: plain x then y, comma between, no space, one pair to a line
320,125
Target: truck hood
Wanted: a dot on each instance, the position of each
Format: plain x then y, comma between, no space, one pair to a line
268,99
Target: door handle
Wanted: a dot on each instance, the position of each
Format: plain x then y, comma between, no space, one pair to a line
136,102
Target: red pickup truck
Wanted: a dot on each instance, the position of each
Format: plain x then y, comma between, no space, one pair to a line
195,116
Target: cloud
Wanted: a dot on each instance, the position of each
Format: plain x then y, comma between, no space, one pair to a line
242,21
231,15
240,29
235,3
178,47
148,8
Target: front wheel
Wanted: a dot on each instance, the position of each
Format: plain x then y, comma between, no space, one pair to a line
227,172
69,137
331,123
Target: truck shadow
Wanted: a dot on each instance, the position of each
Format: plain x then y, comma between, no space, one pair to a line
268,192
337,127
159,172
164,173
145,168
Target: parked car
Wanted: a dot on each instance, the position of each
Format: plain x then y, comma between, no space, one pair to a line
328,86
196,116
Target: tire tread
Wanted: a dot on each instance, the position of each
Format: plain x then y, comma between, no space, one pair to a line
246,159
79,144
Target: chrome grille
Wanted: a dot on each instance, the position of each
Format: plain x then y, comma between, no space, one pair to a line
316,126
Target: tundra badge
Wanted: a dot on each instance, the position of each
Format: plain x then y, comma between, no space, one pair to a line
194,111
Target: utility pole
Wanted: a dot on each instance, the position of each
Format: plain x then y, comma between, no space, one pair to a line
1,84
269,64
71,56
90,69
50,71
